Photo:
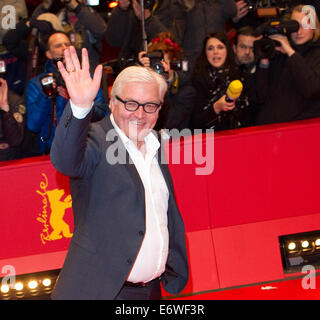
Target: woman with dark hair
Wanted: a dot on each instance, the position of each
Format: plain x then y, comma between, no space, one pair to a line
214,69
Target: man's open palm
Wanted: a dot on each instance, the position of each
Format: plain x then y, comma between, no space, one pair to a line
81,87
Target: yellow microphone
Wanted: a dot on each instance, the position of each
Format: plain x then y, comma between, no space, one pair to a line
234,90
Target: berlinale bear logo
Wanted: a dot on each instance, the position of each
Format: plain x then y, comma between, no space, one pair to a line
54,227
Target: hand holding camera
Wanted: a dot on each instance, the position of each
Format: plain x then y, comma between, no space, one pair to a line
53,83
157,62
284,47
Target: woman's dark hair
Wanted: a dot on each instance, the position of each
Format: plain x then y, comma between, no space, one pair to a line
202,65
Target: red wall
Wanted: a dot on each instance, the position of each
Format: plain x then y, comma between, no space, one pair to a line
264,184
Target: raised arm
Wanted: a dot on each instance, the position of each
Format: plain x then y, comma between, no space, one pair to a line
72,152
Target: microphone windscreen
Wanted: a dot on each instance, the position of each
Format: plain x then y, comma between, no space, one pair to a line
234,89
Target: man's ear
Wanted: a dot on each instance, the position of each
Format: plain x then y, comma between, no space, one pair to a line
48,55
111,104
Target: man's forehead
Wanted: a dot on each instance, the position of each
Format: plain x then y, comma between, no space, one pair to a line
58,38
246,38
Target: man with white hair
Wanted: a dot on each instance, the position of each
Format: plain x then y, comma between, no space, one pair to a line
128,232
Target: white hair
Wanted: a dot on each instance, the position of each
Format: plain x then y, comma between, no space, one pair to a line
138,74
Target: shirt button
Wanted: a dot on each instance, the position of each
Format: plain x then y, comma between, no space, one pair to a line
141,233
129,261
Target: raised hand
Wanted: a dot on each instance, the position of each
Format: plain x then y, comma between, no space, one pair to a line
81,87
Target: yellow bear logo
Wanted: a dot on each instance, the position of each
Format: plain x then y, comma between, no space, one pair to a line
54,219
58,209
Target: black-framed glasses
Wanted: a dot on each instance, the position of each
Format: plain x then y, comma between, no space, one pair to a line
132,105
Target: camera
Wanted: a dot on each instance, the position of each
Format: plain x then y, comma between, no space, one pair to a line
155,61
47,83
57,75
251,5
156,57
265,47
2,68
267,8
50,83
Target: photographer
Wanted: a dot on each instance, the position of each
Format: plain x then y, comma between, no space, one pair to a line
124,26
44,110
288,82
85,27
165,56
12,123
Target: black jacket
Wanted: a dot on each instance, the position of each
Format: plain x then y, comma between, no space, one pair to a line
12,127
209,89
108,202
290,87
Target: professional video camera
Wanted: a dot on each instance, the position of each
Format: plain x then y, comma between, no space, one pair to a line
274,23
265,47
50,83
265,8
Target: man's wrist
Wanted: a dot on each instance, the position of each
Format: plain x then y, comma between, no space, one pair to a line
80,112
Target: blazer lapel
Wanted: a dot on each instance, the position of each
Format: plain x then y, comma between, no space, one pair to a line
124,157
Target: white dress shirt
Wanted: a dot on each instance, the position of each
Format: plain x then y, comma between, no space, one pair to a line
152,257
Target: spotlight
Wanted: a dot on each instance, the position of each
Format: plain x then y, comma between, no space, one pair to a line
32,284
300,249
46,282
4,288
292,246
18,286
305,244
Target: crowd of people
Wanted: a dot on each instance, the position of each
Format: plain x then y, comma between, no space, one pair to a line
198,46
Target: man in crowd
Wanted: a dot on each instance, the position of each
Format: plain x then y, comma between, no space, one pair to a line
43,110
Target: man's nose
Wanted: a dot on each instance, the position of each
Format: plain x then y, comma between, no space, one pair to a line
140,112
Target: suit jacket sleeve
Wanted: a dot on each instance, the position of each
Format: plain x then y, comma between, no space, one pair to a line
75,152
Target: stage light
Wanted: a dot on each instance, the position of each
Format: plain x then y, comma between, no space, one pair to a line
18,286
292,246
300,249
5,288
46,282
304,244
32,284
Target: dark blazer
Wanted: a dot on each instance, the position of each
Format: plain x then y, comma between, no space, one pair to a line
109,213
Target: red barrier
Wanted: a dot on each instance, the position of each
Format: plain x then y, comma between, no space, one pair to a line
264,184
